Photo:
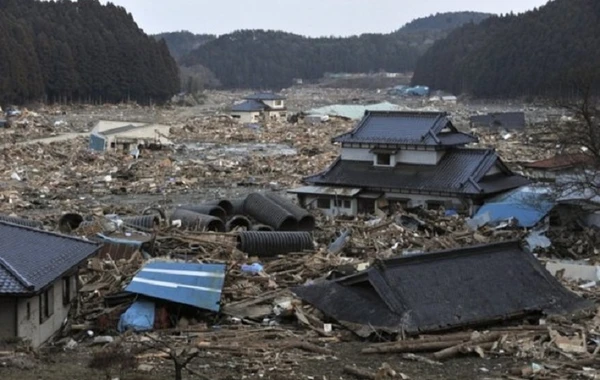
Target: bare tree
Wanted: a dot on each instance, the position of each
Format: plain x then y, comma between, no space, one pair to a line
180,356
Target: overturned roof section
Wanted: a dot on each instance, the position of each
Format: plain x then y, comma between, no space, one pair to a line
443,290
460,171
560,162
508,120
248,106
406,128
197,285
352,111
31,259
264,96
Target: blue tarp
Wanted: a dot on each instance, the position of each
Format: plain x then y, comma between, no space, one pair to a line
527,205
139,317
97,142
198,285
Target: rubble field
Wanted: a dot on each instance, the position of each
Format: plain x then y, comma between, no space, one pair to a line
263,330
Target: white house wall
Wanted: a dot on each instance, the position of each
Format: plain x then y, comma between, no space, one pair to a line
246,117
311,202
30,328
272,104
419,157
357,154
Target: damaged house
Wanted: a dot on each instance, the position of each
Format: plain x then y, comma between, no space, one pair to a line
38,281
410,158
260,107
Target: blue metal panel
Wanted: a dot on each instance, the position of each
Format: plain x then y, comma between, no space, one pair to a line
97,142
198,285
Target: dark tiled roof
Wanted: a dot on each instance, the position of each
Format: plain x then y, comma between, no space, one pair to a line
564,161
265,96
444,290
30,259
510,120
459,171
248,106
411,128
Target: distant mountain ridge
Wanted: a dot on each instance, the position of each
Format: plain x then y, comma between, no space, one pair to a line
538,53
272,59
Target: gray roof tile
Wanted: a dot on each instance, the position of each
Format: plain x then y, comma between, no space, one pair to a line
265,96
459,171
31,259
248,106
411,128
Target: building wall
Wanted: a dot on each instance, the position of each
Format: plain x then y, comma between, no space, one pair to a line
275,115
416,200
419,157
247,117
275,104
310,201
8,322
29,327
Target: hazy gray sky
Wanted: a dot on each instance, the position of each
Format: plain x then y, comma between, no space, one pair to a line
306,17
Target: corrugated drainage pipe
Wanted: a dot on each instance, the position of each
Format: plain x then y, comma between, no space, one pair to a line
205,209
226,205
21,221
262,227
266,244
194,221
69,222
237,206
238,221
143,222
306,222
268,212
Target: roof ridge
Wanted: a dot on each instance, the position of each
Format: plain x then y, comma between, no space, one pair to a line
55,234
13,272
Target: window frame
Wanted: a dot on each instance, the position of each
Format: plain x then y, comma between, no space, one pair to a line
46,303
377,160
320,206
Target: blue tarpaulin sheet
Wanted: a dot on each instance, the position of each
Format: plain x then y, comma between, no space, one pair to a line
139,317
527,205
198,285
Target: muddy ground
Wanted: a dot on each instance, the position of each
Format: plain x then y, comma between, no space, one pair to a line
57,365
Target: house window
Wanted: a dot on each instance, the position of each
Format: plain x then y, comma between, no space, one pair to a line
46,304
343,203
278,103
66,290
28,311
323,203
236,116
383,159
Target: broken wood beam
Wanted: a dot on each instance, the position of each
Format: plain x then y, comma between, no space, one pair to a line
311,348
454,350
359,373
411,346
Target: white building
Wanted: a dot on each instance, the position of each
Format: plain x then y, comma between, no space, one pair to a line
259,107
126,136
38,281
407,158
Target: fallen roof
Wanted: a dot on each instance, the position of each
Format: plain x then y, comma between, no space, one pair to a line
563,161
511,120
31,259
406,128
352,111
325,190
460,171
443,290
197,285
265,96
248,106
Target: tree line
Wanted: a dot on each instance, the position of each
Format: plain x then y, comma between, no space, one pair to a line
80,52
272,59
539,53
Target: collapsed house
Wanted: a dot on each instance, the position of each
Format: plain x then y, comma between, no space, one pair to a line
410,158
260,107
38,280
458,288
497,120
127,136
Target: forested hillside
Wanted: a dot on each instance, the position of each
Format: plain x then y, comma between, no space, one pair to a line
444,21
539,53
183,42
80,51
272,59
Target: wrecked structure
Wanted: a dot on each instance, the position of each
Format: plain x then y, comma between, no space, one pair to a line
259,107
410,158
499,120
127,136
38,280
